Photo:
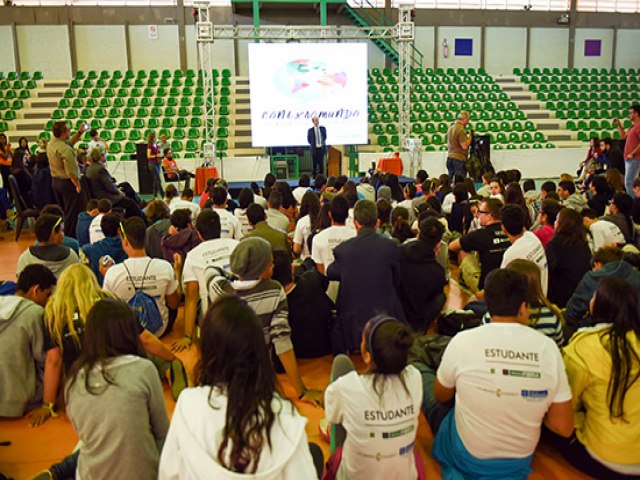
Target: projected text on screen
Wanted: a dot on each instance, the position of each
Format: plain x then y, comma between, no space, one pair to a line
293,82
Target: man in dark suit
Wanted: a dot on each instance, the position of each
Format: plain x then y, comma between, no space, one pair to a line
317,139
102,185
368,268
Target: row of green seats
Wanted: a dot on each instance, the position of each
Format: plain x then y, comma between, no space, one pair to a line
594,124
132,102
14,105
142,83
442,106
572,71
13,94
582,105
591,87
442,97
438,139
190,73
428,71
585,136
579,79
141,135
17,84
428,88
594,95
580,114
137,92
448,116
138,123
140,112
21,76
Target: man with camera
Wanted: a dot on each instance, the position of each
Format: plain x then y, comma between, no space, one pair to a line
458,141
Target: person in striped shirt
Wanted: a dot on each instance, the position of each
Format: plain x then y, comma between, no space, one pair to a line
252,263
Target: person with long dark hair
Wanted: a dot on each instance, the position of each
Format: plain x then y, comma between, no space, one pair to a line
391,181
603,366
514,195
112,379
236,421
244,200
154,163
363,408
620,215
309,210
322,221
568,256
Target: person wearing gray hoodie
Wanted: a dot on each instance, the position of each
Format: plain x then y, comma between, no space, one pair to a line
569,197
21,341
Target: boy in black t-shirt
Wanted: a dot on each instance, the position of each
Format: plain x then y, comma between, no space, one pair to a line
490,242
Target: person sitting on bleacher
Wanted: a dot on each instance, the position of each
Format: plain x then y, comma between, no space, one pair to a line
103,185
508,380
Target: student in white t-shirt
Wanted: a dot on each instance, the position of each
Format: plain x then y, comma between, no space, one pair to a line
95,230
409,195
309,210
602,233
508,380
244,200
214,251
230,226
328,239
304,186
524,244
155,276
186,201
377,411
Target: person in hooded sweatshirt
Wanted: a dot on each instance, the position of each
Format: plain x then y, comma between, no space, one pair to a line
22,340
110,245
50,250
422,279
114,399
181,237
236,423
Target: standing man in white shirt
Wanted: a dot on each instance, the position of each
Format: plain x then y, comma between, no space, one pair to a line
213,252
155,276
508,380
524,244
230,226
328,239
317,139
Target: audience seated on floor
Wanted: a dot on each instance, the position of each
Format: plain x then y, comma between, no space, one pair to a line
474,440
84,222
601,232
181,237
109,248
257,216
213,253
230,226
157,215
252,262
95,230
22,341
185,201
50,250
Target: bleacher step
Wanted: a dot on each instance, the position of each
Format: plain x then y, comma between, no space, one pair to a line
538,115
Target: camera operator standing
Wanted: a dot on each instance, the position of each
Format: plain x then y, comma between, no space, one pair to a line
458,141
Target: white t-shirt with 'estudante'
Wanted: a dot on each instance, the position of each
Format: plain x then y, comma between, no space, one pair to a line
529,247
230,226
301,235
159,281
506,377
604,232
328,239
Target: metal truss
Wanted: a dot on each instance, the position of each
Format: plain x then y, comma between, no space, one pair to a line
206,33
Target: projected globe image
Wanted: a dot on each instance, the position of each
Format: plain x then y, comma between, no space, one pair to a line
305,79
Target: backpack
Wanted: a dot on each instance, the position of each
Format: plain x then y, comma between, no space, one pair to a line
455,321
144,305
7,287
428,349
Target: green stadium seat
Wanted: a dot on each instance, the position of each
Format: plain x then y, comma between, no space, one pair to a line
129,147
179,134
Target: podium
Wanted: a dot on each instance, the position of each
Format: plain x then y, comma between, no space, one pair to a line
334,158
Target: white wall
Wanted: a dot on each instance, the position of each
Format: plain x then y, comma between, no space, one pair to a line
504,49
90,47
604,60
7,59
627,53
375,56
45,48
549,47
161,53
424,43
453,61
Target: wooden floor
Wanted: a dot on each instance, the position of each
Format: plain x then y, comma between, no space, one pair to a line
33,450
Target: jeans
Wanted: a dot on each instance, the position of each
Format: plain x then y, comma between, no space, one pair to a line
631,173
455,167
155,170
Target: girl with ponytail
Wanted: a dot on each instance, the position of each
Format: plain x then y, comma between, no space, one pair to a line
376,411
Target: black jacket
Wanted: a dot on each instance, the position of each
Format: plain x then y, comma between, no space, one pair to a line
101,183
311,137
567,266
368,268
421,285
